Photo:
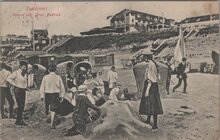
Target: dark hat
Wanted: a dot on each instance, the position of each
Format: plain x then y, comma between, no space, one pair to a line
113,67
22,63
184,59
52,68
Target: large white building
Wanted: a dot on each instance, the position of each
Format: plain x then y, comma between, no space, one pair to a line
132,20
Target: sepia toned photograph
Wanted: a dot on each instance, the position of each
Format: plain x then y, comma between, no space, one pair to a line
114,70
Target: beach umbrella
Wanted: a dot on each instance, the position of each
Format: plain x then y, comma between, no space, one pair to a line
38,74
62,70
139,74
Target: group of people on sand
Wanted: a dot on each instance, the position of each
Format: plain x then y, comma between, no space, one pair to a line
84,93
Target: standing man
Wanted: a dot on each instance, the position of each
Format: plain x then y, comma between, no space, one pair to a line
168,75
50,90
181,75
150,102
112,77
18,79
5,92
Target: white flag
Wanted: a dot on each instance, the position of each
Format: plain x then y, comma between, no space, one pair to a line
180,49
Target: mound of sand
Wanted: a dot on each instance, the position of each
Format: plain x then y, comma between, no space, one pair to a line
117,120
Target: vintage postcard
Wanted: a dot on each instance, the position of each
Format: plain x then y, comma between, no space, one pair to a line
116,70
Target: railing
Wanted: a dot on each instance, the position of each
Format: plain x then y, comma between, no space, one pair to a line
58,44
159,47
191,32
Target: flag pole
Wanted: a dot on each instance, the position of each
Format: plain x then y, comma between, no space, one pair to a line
33,34
124,23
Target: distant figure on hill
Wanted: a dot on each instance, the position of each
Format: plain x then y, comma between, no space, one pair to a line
181,75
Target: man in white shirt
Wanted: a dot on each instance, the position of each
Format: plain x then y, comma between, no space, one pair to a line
51,89
18,79
112,77
5,92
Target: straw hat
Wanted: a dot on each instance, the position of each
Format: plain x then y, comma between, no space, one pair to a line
82,88
82,69
74,90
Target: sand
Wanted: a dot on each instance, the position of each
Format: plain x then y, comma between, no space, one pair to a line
192,116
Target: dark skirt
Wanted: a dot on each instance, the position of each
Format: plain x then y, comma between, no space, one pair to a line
151,105
62,108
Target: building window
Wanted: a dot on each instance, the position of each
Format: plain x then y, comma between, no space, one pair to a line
145,24
101,60
132,20
147,17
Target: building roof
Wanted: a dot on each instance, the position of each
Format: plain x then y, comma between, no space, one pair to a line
106,29
6,45
39,31
29,53
47,55
77,55
19,37
200,18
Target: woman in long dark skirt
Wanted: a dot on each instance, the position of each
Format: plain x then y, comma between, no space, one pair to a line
150,102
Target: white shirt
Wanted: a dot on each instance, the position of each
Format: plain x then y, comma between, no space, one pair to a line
52,83
74,100
114,93
3,76
151,72
17,79
112,77
90,83
100,84
90,97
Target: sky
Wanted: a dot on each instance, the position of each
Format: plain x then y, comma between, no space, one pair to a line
75,17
